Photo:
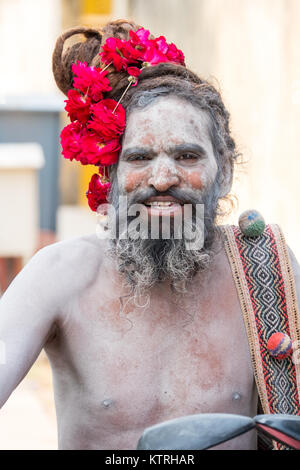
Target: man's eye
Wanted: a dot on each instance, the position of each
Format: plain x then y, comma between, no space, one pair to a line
134,158
187,156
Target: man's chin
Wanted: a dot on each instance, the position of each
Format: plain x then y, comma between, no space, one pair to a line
147,262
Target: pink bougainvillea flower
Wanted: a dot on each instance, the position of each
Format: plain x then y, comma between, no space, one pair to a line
105,121
153,54
90,80
143,34
161,45
97,192
175,55
78,106
98,152
139,41
140,37
155,51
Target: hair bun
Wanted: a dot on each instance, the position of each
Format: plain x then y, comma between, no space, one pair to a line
85,51
118,29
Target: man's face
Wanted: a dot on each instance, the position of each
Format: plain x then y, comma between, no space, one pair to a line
166,145
167,160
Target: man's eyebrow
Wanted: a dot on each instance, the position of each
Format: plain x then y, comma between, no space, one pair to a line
197,148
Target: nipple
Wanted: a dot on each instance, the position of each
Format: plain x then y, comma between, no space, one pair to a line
107,403
236,396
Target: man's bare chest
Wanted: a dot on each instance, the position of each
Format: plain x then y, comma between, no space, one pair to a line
130,367
154,374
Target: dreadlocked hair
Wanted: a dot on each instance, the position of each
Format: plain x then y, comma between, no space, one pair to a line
155,81
85,51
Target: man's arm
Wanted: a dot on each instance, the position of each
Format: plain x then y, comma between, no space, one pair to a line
28,311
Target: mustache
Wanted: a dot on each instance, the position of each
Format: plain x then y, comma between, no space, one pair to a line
182,195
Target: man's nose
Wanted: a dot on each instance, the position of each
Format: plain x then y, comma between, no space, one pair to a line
164,176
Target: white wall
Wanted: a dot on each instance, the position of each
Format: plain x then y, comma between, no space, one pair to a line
28,30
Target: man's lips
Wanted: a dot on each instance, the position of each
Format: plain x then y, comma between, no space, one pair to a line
163,200
163,205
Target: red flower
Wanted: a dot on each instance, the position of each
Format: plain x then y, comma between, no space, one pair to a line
111,52
90,80
120,53
130,52
139,48
71,140
77,106
97,192
105,122
134,71
96,152
93,137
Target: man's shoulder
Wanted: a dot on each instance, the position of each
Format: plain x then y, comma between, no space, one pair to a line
73,249
69,264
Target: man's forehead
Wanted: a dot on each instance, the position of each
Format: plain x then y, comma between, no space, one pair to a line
168,121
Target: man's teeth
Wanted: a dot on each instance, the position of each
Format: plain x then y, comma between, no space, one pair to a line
162,203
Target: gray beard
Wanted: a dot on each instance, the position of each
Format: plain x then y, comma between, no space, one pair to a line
146,262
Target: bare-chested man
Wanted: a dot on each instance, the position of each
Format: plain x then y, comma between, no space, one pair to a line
138,331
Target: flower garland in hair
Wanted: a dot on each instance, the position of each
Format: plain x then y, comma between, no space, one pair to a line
97,124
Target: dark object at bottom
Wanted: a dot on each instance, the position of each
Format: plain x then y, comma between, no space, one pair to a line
282,428
194,432
203,431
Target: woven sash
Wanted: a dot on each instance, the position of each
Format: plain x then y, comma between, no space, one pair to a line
265,285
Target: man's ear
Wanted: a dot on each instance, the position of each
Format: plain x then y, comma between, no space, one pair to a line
225,179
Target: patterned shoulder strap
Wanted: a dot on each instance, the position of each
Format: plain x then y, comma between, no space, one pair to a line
264,281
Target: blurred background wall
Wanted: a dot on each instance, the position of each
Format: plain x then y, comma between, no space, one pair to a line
28,29
248,48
